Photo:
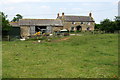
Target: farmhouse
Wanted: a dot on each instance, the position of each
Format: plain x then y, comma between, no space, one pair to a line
29,27
73,23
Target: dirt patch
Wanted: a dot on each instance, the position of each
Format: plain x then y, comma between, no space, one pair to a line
58,40
62,39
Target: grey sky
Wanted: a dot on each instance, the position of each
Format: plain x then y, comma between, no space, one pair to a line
101,9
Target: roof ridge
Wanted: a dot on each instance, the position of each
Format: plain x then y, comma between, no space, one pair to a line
37,19
13,22
76,16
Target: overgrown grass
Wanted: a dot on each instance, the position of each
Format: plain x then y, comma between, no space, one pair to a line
88,56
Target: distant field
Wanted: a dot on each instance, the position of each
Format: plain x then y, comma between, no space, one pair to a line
87,56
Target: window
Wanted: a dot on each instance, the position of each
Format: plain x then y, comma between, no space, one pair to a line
88,28
72,28
84,22
73,22
81,22
88,23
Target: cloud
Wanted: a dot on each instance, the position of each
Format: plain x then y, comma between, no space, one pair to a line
10,8
36,9
77,9
62,9
93,4
22,1
25,10
10,1
116,2
44,7
17,1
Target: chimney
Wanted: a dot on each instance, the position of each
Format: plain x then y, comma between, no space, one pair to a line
58,15
63,14
90,14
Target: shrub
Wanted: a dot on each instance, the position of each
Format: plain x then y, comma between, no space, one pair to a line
78,31
46,34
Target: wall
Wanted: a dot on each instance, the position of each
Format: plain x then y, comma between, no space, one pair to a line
14,32
85,25
56,28
25,31
90,25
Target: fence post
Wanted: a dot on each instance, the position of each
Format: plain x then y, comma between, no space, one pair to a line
8,37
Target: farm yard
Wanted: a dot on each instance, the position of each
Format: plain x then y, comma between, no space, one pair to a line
86,56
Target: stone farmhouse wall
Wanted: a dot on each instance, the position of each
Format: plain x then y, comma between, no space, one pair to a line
85,25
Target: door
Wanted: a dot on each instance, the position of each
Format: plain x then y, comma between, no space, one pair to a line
32,30
49,29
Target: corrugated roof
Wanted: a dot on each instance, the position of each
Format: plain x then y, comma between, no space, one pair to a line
14,24
78,18
41,22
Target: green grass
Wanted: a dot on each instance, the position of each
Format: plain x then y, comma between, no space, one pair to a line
88,56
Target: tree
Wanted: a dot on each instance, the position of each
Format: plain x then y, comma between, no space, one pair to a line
97,26
5,23
117,23
17,18
108,25
105,24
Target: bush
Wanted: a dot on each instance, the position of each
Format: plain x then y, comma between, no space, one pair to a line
46,34
78,31
34,38
72,31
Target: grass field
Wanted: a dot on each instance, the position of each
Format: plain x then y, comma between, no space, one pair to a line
87,56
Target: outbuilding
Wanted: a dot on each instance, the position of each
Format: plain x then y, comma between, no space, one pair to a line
29,27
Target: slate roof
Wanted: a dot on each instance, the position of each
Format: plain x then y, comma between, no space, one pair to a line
41,22
77,18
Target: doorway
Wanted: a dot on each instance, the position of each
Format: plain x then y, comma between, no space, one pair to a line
88,28
40,29
78,28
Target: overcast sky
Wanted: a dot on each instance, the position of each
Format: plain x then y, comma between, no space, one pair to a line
101,9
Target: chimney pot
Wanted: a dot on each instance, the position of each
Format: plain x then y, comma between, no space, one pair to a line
63,14
90,14
58,15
